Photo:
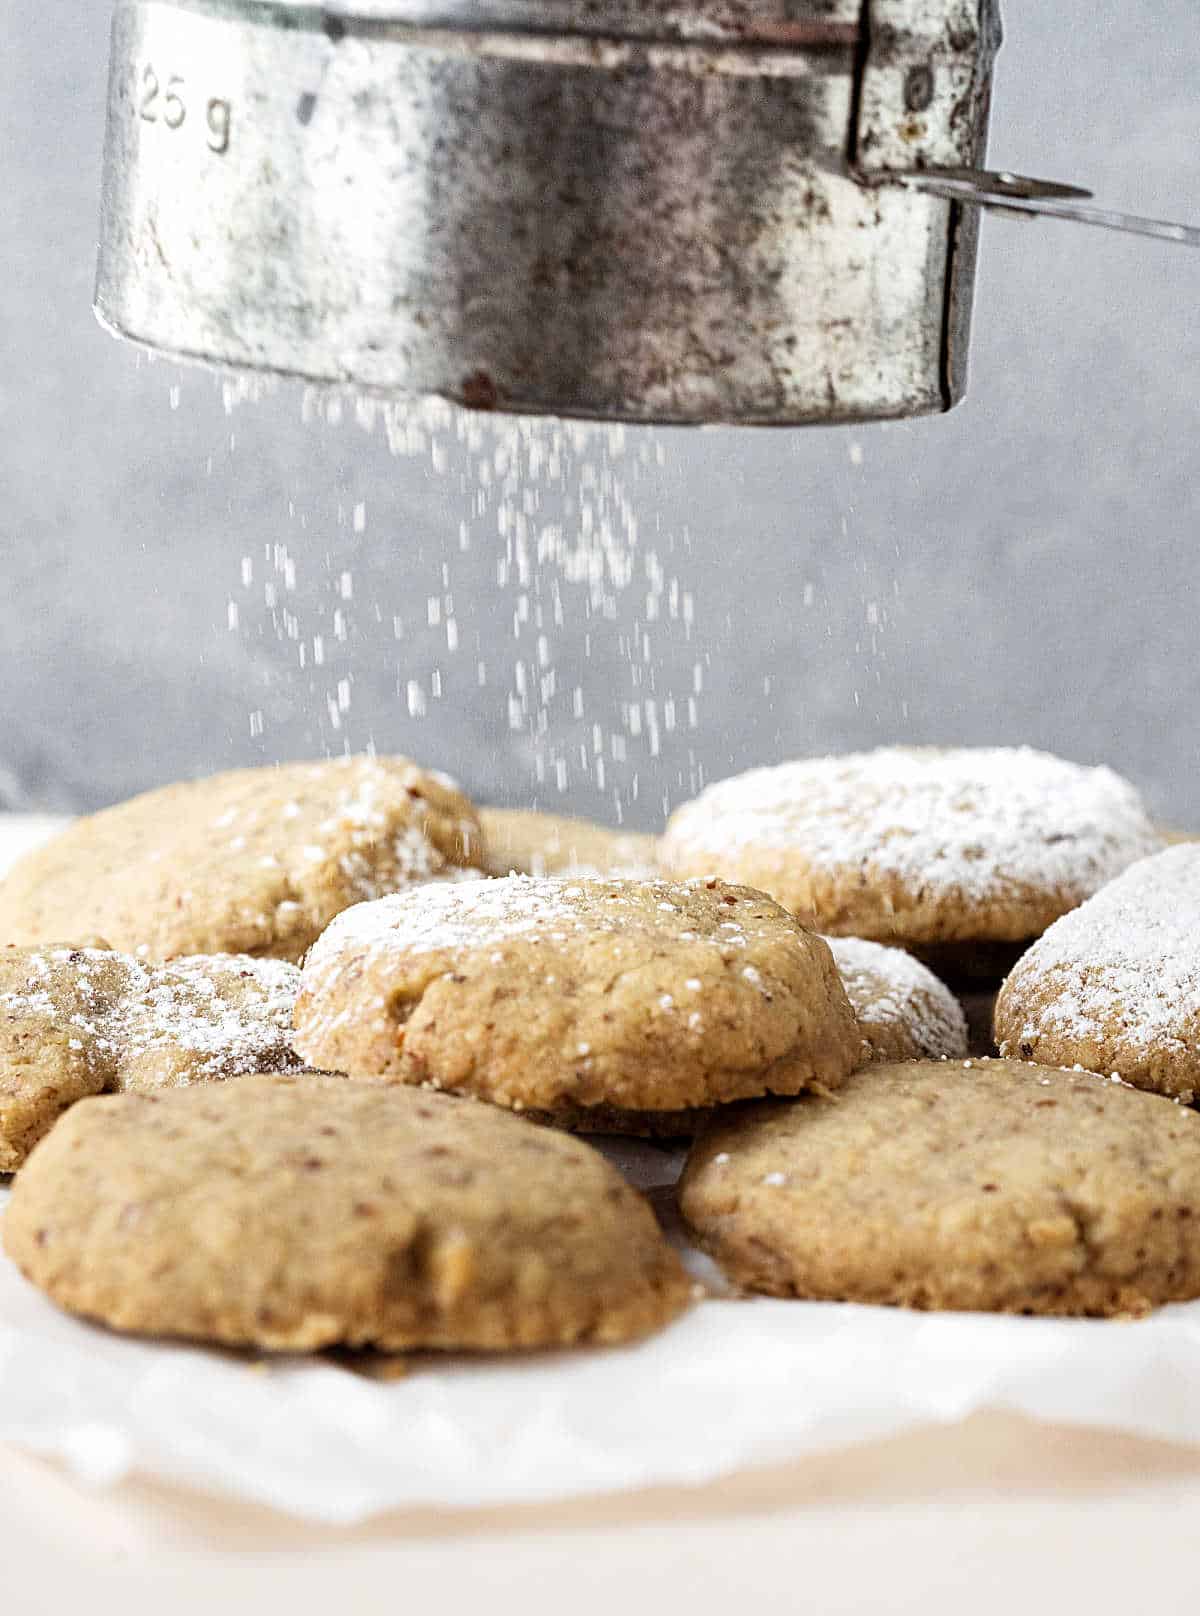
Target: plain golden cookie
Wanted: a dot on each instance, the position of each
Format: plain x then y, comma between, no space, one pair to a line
904,1012
1115,986
295,1213
254,862
549,993
519,842
76,1022
984,1185
917,845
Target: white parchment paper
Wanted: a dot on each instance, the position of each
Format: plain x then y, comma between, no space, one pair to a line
732,1384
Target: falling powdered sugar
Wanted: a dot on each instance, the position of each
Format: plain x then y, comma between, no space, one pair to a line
543,602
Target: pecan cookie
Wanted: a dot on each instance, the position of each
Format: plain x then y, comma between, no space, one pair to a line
985,1185
918,845
293,1213
550,993
254,862
1115,986
904,1012
76,1022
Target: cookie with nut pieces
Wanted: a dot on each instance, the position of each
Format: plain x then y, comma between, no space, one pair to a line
971,1185
76,1022
257,861
295,1213
918,845
1115,985
904,1012
550,993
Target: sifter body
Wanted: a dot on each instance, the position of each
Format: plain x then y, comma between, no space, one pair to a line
631,210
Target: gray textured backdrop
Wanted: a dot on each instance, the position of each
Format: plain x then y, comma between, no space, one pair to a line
1023,570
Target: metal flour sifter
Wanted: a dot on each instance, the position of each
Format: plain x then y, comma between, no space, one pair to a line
757,211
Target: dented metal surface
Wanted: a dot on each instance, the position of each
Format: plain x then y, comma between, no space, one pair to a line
604,208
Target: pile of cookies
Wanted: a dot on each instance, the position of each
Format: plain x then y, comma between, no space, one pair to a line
302,1057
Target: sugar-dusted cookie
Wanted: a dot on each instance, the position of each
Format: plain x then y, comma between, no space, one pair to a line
552,992
519,842
984,1184
904,1012
1115,986
295,1213
81,1021
254,862
917,845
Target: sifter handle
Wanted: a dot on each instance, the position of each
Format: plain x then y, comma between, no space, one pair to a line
1018,195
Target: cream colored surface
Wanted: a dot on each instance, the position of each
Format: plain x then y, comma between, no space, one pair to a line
983,1516
987,1518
